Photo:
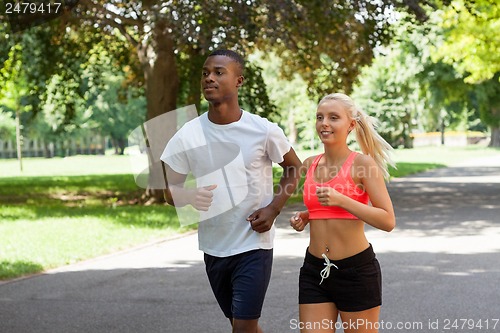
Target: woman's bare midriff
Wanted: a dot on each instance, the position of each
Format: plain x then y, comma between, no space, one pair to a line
338,239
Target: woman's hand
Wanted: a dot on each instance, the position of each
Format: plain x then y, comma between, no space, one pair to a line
328,196
299,220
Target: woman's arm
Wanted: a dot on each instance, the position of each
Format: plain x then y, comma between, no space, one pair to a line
380,214
300,220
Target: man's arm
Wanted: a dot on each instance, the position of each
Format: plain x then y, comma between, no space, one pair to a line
173,179
176,195
263,219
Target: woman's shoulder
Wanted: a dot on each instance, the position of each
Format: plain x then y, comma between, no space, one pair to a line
309,161
364,165
363,160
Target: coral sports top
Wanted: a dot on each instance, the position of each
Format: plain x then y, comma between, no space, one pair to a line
342,182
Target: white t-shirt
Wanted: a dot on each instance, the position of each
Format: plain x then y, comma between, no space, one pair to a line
238,158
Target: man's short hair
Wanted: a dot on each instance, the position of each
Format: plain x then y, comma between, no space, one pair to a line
231,54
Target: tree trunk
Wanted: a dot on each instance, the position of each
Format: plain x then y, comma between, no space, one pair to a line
158,60
194,77
160,72
442,133
495,127
19,141
119,144
495,137
115,146
122,143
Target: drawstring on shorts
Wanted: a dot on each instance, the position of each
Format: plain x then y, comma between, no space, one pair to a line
325,272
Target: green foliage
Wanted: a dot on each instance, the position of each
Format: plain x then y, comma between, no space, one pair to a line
388,91
14,93
136,34
6,42
14,90
295,108
114,107
116,111
88,70
327,42
488,101
408,91
447,96
7,126
471,44
472,41
34,85
253,94
59,75
197,27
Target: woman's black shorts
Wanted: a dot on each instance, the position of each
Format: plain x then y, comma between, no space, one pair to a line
356,284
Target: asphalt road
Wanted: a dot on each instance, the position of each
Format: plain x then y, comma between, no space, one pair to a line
441,272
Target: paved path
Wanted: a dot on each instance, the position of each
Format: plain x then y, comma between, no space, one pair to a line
441,266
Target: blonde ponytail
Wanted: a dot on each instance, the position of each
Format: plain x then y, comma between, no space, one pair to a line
370,142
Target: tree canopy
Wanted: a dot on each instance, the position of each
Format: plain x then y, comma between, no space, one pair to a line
471,40
471,44
155,49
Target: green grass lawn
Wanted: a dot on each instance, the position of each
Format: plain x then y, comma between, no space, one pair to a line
47,222
64,210
67,166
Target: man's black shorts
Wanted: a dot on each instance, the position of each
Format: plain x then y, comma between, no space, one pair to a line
240,282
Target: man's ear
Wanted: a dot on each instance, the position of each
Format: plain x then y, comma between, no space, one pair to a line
241,79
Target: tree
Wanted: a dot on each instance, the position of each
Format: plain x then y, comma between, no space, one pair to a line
296,110
388,91
60,69
164,35
488,103
13,92
168,34
472,41
407,90
327,42
472,46
174,37
446,97
169,39
7,125
116,111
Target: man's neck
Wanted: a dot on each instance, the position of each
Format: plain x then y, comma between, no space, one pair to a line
223,114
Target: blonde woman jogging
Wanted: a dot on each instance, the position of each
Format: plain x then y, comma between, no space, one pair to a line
343,190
